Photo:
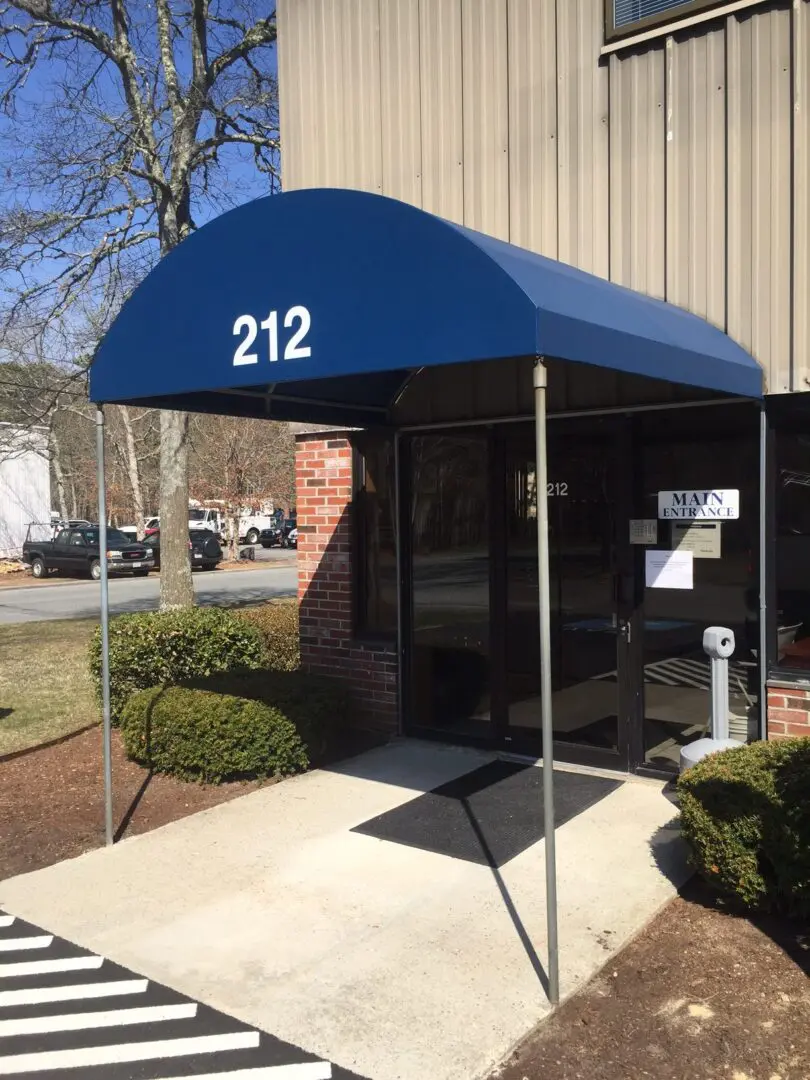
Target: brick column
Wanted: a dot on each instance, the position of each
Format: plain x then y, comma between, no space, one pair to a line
788,712
324,486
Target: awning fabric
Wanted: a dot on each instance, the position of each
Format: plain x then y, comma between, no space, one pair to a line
319,304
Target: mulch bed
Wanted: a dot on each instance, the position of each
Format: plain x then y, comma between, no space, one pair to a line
701,994
52,801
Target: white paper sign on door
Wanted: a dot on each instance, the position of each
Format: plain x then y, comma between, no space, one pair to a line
669,569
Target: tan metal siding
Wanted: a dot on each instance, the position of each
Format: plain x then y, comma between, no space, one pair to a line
533,125
360,130
759,189
801,195
583,137
401,100
485,116
679,167
696,174
637,172
442,128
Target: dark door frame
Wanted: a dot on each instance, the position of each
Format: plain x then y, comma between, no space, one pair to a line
628,592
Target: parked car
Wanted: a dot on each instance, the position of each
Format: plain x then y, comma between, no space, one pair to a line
76,551
151,526
272,537
204,549
291,539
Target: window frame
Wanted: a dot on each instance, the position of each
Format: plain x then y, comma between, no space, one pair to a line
650,22
787,415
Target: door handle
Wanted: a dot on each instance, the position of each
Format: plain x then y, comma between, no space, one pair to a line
625,629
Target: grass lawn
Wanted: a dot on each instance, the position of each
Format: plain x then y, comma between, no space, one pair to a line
45,687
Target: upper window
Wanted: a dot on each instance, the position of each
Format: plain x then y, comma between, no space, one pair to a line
632,16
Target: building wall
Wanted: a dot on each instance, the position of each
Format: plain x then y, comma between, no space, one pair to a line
678,167
788,712
25,488
323,481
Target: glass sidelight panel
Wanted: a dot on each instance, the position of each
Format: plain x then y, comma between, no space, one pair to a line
450,560
584,623
700,449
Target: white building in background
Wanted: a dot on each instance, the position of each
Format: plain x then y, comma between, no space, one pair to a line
25,486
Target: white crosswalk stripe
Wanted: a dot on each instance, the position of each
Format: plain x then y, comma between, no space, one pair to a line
15,944
55,1018
40,1025
49,967
306,1070
43,995
126,1052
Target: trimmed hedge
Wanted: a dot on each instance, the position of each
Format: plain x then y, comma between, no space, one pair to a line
199,735
162,648
277,622
317,705
745,814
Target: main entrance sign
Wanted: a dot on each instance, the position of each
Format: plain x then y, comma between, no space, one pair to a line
707,505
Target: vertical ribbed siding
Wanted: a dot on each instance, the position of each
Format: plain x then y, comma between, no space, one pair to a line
401,100
501,114
360,132
801,195
583,137
486,116
442,127
637,172
532,29
696,174
759,190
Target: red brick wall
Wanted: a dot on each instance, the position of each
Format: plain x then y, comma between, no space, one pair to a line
788,712
323,482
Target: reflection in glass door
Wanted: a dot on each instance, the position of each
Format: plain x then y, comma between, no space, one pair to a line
450,570
583,564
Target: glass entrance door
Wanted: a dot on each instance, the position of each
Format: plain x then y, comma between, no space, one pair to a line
589,623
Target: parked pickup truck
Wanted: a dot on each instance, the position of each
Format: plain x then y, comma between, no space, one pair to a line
76,551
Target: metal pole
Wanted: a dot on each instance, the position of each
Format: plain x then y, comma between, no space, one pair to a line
398,551
541,469
763,559
105,627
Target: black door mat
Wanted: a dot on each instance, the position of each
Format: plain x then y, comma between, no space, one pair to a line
489,815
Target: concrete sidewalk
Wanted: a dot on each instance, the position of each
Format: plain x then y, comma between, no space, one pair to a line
395,962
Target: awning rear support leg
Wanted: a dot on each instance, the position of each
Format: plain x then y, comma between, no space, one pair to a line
105,627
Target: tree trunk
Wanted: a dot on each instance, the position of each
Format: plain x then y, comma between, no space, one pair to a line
176,589
59,475
233,535
133,469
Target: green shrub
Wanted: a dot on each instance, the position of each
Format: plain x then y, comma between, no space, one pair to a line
317,705
163,648
277,622
745,814
199,735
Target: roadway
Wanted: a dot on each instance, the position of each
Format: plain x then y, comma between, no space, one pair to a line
66,599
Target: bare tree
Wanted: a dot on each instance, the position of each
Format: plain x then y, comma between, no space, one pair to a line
242,463
141,113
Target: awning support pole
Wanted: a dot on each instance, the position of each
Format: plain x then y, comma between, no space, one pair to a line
541,479
105,627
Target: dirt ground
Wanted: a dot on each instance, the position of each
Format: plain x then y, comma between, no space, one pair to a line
701,994
52,801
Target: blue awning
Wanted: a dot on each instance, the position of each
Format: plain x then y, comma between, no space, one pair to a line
326,300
